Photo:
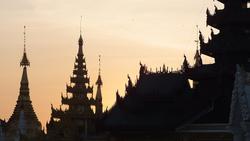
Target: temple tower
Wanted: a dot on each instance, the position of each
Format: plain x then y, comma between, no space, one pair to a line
23,121
99,83
77,120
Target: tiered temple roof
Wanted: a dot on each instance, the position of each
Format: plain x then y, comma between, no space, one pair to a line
79,89
157,102
76,121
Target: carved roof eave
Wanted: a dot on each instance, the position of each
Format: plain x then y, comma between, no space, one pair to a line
73,101
79,79
80,72
57,113
71,89
206,49
62,114
203,72
222,18
80,60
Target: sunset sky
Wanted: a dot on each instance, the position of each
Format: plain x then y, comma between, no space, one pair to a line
123,32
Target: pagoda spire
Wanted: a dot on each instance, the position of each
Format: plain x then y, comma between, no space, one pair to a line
80,41
24,117
99,84
80,114
99,80
24,88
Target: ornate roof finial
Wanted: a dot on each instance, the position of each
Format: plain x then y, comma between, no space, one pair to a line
197,39
99,80
118,97
185,64
99,65
197,56
24,62
80,41
24,38
81,26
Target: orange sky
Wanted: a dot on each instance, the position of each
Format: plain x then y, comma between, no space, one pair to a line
154,32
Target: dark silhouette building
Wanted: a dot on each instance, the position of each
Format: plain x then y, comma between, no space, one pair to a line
98,98
23,123
162,106
78,121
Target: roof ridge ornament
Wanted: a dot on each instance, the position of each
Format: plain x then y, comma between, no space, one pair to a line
81,26
197,38
99,80
99,71
24,38
24,62
80,41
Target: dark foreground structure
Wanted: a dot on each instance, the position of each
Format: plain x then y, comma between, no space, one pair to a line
162,106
